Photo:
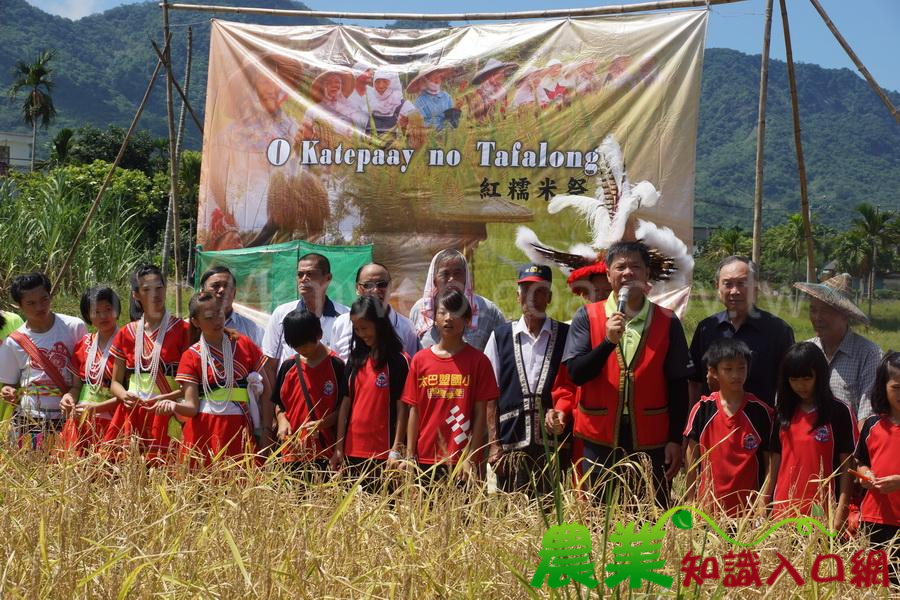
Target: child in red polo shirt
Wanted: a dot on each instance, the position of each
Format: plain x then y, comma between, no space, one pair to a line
371,425
306,393
813,437
447,388
878,457
730,429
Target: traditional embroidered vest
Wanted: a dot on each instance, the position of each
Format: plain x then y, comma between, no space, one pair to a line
519,411
642,384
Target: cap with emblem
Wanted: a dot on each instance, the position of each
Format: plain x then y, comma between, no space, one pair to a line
534,272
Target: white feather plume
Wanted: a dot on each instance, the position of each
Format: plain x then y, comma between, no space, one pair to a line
525,238
584,250
646,194
593,211
665,240
612,152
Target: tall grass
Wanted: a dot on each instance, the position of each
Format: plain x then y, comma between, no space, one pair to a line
83,529
39,222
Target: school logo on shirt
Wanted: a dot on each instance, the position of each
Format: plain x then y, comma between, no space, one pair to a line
751,442
822,434
328,388
382,380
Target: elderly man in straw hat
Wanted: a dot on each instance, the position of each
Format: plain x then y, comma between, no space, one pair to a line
852,359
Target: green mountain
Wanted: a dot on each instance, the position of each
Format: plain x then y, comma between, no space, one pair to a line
851,144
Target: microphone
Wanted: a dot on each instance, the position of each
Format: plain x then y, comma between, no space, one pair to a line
624,291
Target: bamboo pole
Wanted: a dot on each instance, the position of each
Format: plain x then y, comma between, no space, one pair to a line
96,203
178,143
761,136
618,9
860,67
173,174
801,164
174,81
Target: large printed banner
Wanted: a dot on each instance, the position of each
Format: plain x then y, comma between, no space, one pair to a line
419,140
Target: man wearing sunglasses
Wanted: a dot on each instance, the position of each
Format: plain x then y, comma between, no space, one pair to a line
373,280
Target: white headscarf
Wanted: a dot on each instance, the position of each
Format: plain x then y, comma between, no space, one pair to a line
425,318
385,104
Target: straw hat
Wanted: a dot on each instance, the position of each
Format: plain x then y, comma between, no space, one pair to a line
318,85
419,80
835,292
490,67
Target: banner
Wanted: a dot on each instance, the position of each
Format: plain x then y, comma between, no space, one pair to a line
418,140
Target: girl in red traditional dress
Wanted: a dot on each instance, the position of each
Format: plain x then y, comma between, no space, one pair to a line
146,353
89,404
214,375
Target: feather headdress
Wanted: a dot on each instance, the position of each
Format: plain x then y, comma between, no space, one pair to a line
611,217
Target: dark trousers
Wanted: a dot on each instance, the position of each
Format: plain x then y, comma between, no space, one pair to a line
368,471
603,475
531,470
880,537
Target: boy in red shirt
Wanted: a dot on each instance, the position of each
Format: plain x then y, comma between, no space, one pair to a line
306,407
447,388
731,430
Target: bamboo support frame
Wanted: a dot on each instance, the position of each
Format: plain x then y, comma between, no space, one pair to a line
618,9
178,86
859,65
761,137
801,164
173,174
112,169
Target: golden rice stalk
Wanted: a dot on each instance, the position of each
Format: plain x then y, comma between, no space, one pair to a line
298,203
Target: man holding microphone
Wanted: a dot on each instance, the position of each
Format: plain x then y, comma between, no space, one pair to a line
631,359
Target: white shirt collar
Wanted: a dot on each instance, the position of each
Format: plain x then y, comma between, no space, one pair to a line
520,327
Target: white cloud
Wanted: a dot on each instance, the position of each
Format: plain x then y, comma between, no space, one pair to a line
75,9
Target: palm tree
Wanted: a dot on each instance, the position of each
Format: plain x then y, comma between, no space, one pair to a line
726,241
35,79
61,146
873,227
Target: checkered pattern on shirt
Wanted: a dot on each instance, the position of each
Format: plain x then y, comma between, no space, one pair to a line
853,369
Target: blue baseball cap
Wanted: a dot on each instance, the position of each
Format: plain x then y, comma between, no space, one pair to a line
534,272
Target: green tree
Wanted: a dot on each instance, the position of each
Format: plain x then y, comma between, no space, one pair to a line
36,81
873,229
726,242
144,152
61,146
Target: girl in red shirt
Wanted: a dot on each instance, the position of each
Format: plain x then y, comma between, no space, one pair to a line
214,374
447,388
371,424
813,437
878,459
89,404
146,353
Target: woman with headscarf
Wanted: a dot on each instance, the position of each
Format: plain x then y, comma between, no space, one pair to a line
449,269
529,90
330,105
386,102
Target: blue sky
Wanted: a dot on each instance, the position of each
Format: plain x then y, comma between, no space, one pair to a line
870,26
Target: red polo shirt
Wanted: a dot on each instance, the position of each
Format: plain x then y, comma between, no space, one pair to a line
879,449
731,466
369,424
810,454
326,386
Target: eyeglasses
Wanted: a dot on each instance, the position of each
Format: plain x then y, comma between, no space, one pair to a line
371,285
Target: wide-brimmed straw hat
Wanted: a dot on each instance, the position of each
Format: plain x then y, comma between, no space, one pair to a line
836,293
529,72
492,66
317,92
419,80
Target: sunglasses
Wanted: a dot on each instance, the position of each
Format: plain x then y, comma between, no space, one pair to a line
371,285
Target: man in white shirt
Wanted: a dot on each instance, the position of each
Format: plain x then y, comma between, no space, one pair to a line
220,282
313,277
35,360
374,279
527,355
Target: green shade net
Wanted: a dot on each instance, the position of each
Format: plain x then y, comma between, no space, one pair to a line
267,275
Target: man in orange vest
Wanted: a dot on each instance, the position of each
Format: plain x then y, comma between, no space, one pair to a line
632,362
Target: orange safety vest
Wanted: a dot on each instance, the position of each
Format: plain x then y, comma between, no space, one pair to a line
642,384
